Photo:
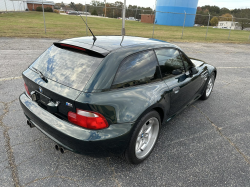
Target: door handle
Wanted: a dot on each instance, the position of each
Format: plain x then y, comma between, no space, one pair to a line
176,90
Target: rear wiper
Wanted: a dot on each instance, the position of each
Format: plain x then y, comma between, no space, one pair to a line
40,74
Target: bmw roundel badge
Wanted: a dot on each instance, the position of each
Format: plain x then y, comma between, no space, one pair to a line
40,89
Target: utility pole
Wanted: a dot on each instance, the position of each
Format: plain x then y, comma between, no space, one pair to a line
123,21
5,5
86,19
23,5
231,27
184,24
136,12
208,24
105,8
154,20
44,18
13,5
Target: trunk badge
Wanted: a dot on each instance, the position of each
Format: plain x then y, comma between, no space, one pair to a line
40,89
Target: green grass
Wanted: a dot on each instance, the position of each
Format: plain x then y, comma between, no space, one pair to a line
30,24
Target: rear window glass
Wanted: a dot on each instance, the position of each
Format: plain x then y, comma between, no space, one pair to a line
67,67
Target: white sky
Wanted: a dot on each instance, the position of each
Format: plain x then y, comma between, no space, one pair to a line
230,4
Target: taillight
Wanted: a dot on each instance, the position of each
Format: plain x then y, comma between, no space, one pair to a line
86,119
27,89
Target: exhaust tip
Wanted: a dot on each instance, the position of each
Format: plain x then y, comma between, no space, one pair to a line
62,150
30,124
57,147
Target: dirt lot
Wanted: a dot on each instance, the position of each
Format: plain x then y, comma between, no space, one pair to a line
206,145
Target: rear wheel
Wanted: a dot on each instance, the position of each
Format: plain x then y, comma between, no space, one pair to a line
209,87
144,138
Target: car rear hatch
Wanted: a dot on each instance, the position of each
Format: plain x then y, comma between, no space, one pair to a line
59,75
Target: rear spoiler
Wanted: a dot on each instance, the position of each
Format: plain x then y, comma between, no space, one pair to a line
82,47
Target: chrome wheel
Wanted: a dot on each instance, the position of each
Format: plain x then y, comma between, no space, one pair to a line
147,137
209,87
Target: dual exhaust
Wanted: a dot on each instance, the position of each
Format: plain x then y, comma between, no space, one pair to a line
59,148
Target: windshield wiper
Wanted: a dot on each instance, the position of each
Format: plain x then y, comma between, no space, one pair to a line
40,74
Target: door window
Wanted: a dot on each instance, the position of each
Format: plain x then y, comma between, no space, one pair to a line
140,68
169,60
188,65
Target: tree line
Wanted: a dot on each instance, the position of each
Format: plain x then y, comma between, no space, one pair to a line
242,16
113,10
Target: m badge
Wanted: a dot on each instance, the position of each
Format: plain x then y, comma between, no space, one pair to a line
69,104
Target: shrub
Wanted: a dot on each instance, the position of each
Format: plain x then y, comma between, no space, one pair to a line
39,8
56,11
48,9
214,21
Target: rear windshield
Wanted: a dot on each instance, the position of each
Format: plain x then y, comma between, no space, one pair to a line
67,67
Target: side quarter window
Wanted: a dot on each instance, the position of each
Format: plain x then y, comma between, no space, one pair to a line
140,68
169,60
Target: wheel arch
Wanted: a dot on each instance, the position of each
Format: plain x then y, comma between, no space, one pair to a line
158,108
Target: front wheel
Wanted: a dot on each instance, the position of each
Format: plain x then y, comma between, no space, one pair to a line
144,138
209,87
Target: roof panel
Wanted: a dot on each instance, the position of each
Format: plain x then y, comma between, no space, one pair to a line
110,43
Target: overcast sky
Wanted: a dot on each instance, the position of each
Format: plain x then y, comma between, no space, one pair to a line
231,4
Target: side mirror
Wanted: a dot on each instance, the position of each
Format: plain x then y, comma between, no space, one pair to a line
193,71
176,72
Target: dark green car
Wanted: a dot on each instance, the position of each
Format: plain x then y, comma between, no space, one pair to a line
104,98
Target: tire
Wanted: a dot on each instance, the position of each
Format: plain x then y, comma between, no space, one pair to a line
209,87
144,138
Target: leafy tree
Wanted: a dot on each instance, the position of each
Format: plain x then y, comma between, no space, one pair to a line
243,17
79,7
224,11
226,17
201,20
94,12
57,6
215,10
214,21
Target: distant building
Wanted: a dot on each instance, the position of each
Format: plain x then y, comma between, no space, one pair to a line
33,4
8,5
22,5
228,25
147,18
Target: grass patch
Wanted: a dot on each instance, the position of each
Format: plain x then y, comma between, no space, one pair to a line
30,24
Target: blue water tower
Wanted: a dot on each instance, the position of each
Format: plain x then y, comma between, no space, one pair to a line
177,7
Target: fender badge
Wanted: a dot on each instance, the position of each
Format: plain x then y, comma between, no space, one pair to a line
69,104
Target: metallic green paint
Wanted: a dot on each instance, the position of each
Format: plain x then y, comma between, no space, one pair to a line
113,139
122,108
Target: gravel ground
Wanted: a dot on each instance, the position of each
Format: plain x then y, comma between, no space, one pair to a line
206,145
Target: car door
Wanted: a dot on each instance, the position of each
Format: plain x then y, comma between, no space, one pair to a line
195,80
175,76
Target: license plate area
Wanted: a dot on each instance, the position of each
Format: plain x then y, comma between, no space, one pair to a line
41,98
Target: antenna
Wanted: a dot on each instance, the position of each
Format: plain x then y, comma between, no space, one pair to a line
123,21
94,38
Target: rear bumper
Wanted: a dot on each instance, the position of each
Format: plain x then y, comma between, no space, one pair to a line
113,139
